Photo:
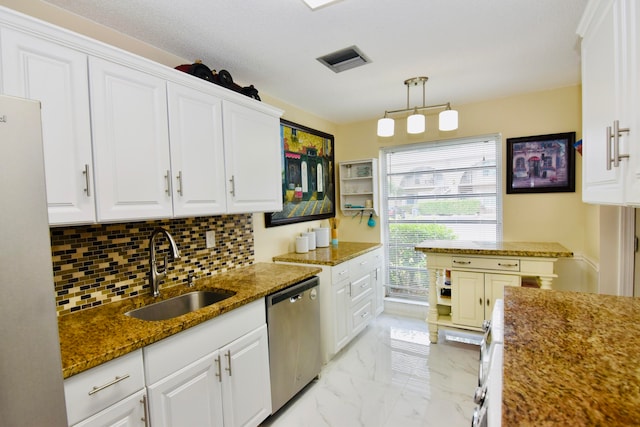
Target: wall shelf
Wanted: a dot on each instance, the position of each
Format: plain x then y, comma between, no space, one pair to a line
359,186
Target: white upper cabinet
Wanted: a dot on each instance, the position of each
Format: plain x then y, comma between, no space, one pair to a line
253,160
56,76
197,152
611,167
131,143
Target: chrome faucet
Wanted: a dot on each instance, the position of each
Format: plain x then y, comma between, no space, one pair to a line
157,274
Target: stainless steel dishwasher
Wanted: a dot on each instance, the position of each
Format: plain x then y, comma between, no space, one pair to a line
293,320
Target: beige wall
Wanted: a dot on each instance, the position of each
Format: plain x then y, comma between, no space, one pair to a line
527,217
558,217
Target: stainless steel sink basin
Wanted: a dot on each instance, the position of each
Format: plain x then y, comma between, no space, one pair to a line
177,306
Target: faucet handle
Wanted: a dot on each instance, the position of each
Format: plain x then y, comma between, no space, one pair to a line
190,280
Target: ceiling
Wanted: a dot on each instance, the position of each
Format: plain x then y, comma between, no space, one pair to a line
471,50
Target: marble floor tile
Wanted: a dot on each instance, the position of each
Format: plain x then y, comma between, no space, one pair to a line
389,376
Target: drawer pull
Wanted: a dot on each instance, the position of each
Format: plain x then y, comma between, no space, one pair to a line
461,262
342,272
365,314
507,265
109,384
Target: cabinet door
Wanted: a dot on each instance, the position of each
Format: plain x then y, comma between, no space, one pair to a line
197,152
129,412
252,159
341,318
131,143
602,75
494,285
57,77
631,118
246,386
188,397
467,298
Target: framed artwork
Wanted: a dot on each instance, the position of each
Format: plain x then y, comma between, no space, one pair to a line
308,184
541,163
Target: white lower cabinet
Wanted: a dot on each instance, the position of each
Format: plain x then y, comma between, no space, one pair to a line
129,412
189,397
111,394
214,374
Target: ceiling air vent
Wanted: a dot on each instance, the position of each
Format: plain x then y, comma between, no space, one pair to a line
344,59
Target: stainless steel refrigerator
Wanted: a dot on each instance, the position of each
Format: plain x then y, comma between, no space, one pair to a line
31,385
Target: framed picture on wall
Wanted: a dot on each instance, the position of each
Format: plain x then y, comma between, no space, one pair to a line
541,163
308,184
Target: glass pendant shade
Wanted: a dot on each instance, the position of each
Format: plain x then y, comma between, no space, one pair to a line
386,126
448,120
415,123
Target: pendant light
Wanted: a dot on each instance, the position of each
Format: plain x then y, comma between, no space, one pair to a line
416,122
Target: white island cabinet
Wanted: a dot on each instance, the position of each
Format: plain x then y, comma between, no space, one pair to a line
466,278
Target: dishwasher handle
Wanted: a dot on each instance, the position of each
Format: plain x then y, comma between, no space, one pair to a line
288,294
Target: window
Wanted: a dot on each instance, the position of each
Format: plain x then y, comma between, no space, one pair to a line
447,190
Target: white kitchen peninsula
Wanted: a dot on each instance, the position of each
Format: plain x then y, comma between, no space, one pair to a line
466,277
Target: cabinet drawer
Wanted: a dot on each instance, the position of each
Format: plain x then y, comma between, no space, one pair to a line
98,388
503,264
339,272
360,266
360,287
361,315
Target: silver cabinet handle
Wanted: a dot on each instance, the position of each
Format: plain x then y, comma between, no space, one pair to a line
179,178
109,384
219,373
228,362
167,178
615,135
507,265
233,186
145,410
87,182
365,314
461,262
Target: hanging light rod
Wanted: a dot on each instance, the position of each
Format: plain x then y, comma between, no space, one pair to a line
448,119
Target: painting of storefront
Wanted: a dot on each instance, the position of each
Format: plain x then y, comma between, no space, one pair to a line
542,163
308,190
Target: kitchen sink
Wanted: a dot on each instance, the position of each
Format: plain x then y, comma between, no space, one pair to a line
177,306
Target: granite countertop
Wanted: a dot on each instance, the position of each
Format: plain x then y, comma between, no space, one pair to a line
570,359
95,336
332,255
466,247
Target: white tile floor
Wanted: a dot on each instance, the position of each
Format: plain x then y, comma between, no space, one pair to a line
389,376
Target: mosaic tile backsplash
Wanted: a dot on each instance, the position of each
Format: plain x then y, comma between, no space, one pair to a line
98,264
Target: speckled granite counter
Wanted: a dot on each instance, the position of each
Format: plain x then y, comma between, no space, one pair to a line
570,359
92,337
465,247
332,255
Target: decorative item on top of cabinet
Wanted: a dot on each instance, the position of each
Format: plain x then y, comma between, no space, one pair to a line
610,31
359,187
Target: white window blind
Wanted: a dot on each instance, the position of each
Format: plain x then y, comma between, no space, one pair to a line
448,190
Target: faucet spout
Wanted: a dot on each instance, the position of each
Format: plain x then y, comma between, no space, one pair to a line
156,275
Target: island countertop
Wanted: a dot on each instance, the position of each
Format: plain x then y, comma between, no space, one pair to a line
332,255
91,337
521,249
570,359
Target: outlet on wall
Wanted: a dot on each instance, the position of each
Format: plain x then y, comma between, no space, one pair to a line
211,239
